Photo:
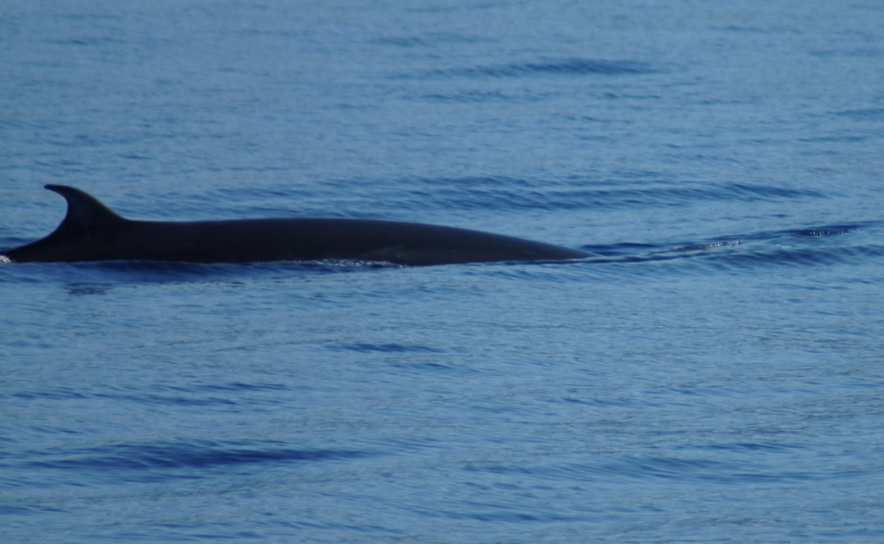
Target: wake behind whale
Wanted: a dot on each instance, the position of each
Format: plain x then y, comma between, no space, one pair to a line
91,231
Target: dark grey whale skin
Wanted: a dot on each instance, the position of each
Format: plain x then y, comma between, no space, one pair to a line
92,232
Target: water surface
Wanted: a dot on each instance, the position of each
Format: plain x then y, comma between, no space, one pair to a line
712,373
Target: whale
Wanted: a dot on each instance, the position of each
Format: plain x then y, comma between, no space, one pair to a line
90,231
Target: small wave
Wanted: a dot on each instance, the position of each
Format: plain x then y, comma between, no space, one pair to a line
813,232
688,469
466,96
387,348
88,41
627,190
171,395
706,247
790,247
801,256
571,66
750,446
239,386
675,468
431,39
102,277
482,194
868,114
170,455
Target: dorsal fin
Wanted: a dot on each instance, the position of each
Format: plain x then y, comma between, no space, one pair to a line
86,215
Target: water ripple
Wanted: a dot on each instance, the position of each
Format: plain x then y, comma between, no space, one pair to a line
567,67
807,246
175,455
484,194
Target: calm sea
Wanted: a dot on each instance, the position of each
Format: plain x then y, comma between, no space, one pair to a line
714,372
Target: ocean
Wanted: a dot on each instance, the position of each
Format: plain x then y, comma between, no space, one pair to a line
713,372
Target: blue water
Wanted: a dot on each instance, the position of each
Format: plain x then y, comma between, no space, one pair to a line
714,372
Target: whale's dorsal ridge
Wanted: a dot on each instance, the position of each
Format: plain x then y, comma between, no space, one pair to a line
85,215
90,231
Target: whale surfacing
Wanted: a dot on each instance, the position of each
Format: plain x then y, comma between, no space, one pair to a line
91,231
